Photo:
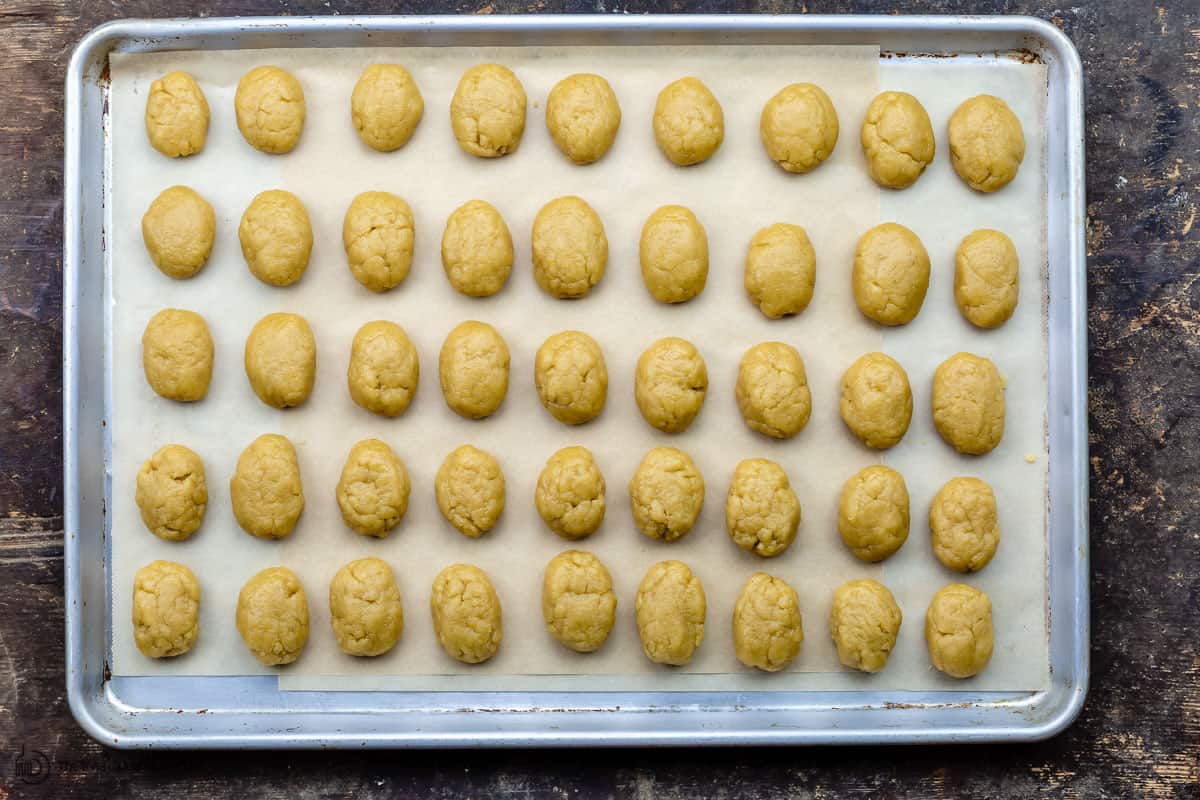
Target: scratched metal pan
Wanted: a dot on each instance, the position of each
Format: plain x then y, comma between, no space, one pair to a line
240,712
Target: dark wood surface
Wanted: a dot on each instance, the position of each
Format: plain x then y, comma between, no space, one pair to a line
1139,735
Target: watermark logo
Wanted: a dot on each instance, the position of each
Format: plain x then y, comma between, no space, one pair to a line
30,766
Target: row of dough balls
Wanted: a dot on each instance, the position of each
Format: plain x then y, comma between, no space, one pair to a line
570,254
799,125
666,494
578,607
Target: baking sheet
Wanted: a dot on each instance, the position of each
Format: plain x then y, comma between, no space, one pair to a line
734,194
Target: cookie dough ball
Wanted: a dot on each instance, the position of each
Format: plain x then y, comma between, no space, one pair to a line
570,377
176,115
177,355
968,403
897,139
964,525
873,513
364,608
270,109
487,112
477,249
178,230
986,143
166,609
386,106
384,368
890,275
986,278
772,390
958,630
378,234
265,490
373,490
473,367
281,359
570,493
470,490
466,613
272,616
670,608
674,255
578,604
689,124
670,384
767,627
876,400
582,115
864,621
781,269
570,248
276,237
762,513
666,494
172,492
799,127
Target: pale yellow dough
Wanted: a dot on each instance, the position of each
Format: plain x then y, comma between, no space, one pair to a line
466,613
666,494
386,106
772,390
890,275
689,124
781,270
178,230
473,368
470,490
986,278
968,403
378,235
172,492
270,109
873,513
762,512
166,609
570,248
582,115
987,144
477,249
670,610
964,526
897,139
276,237
373,489
674,255
864,621
281,359
177,355
958,630
384,368
272,616
265,490
570,377
799,127
578,604
569,495
176,115
670,383
767,627
487,112
876,400
364,608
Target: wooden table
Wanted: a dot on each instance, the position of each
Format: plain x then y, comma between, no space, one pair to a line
1139,735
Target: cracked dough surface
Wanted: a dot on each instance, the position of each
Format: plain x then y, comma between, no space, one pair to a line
270,109
963,524
762,512
569,495
670,383
799,127
466,613
272,616
373,489
772,390
987,144
890,275
276,237
384,369
281,359
781,270
968,403
265,490
487,112
666,494
176,115
876,402
378,234
670,608
986,278
166,609
958,630
873,513
172,492
364,608
177,355
477,249
897,139
570,248
473,369
689,123
178,229
570,377
767,627
578,603
864,621
674,255
583,115
470,490
386,106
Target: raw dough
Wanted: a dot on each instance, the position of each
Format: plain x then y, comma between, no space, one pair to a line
281,359
670,609
373,489
176,115
466,613
470,490
377,233
670,384
578,604
762,512
666,494
689,124
873,513
674,255
177,355
364,608
767,627
487,112
384,369
864,621
876,400
986,278
958,630
272,616
178,229
570,377
570,493
386,106
582,115
799,127
968,403
477,249
986,143
473,367
276,237
963,524
570,248
781,270
166,609
172,492
270,109
266,491
772,390
897,139
891,274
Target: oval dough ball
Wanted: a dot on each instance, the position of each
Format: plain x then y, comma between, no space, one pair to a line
272,616
466,613
570,493
897,139
386,106
968,403
172,492
477,249
281,359
276,237
670,609
364,608
570,377
799,127
781,270
578,604
674,255
964,525
176,115
666,494
864,621
876,400
891,274
767,627
373,490
958,630
384,368
570,248
762,513
772,390
265,490
378,234
986,278
582,115
670,384
270,109
689,124
177,355
166,609
873,513
487,113
473,367
986,143
178,230
470,490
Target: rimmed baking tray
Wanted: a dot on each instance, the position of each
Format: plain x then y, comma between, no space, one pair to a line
253,712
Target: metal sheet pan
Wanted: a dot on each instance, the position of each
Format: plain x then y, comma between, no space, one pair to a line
252,712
